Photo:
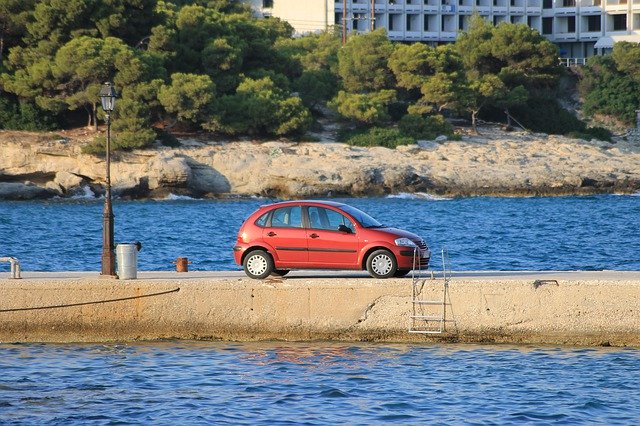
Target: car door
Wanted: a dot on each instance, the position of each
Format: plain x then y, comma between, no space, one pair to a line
329,246
286,235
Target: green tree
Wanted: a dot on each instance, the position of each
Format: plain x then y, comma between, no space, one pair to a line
362,62
316,86
14,15
367,108
626,56
81,67
260,108
189,97
607,90
436,72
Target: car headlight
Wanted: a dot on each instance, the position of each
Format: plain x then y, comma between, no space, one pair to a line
405,242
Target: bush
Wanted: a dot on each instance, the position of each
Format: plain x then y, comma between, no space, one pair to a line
23,115
419,127
599,133
124,141
377,136
547,116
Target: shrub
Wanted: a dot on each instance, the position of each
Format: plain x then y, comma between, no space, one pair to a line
599,133
377,136
546,115
125,141
23,115
419,127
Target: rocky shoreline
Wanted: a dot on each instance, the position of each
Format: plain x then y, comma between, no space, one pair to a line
497,163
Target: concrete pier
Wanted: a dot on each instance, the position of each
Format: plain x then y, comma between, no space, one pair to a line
572,308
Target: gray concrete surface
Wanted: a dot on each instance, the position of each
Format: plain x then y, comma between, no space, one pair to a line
548,307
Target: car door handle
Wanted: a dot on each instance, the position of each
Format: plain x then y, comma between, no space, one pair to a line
314,235
272,234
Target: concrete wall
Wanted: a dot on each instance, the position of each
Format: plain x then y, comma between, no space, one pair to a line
587,313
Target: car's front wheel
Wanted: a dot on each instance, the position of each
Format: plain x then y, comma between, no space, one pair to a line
258,264
381,264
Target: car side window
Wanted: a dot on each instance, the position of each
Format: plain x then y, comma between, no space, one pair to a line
287,217
262,220
321,218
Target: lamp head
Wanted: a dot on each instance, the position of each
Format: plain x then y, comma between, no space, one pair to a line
108,97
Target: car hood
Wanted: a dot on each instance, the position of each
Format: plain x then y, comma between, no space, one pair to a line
399,233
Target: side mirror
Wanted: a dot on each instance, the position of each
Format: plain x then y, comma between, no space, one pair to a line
343,228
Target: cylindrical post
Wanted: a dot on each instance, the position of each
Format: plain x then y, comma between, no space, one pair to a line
344,22
373,15
108,255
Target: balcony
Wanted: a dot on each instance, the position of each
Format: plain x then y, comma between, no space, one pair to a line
448,35
590,35
430,36
565,37
413,35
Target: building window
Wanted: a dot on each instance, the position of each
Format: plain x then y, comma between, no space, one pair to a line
620,22
530,21
547,25
568,3
594,23
571,24
597,2
426,22
547,4
267,4
461,22
408,27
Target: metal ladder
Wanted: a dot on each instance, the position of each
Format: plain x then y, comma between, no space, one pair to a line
429,316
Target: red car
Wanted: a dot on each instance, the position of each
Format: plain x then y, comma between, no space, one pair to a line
324,235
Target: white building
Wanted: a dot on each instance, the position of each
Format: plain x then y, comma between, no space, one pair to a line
578,27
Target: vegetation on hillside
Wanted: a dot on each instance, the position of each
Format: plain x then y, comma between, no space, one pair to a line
210,65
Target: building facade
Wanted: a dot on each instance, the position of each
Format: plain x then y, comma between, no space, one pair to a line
580,28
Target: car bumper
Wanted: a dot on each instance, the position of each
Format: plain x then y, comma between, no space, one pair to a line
406,258
238,252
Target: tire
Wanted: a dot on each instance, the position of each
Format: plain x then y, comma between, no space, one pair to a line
381,264
280,272
258,265
401,273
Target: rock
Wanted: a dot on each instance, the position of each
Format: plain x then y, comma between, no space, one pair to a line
68,181
441,138
23,191
168,170
428,145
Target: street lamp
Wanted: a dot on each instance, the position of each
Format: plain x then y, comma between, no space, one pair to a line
108,99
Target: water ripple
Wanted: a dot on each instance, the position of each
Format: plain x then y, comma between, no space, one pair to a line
481,233
276,383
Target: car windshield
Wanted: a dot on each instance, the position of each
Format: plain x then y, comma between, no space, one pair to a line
364,219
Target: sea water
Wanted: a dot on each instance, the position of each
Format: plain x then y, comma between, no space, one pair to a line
482,233
324,383
316,384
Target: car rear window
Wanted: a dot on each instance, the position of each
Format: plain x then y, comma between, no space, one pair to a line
262,220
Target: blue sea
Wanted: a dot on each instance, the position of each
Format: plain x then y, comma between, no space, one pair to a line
319,383
481,233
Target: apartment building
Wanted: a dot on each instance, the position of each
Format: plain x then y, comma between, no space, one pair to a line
580,28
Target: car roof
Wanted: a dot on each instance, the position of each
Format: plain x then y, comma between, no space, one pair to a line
305,203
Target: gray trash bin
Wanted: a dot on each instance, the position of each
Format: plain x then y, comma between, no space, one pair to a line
127,257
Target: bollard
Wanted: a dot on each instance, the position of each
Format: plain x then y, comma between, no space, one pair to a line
182,264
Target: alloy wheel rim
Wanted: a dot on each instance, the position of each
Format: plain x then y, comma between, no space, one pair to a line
381,264
257,265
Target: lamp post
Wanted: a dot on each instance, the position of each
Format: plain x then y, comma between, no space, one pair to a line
108,99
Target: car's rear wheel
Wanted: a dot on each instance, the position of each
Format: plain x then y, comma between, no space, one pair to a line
258,264
401,273
280,272
381,264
